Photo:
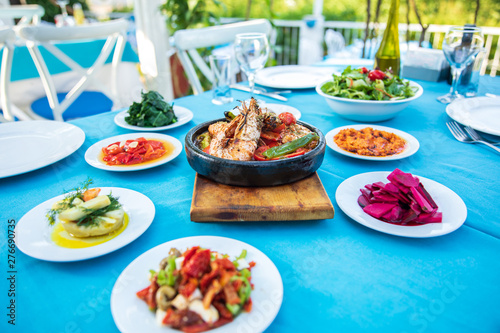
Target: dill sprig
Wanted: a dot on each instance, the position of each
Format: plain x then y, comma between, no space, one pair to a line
67,201
93,217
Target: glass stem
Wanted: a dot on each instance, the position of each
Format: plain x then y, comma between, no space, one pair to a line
251,83
455,72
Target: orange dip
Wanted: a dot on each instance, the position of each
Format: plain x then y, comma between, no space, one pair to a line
369,142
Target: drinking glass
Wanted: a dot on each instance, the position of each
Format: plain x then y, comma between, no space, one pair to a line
460,46
221,71
251,51
64,12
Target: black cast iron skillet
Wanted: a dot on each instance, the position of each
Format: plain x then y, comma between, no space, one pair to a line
253,173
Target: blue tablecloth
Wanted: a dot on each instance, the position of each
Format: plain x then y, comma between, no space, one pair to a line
338,275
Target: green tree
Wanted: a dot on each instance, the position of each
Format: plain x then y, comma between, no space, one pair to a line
183,14
52,9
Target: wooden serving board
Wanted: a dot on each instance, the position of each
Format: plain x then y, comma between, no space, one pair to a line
305,199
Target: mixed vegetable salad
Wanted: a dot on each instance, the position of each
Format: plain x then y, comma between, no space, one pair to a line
199,289
364,84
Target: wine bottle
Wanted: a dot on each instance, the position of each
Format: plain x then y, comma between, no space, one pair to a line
387,55
78,14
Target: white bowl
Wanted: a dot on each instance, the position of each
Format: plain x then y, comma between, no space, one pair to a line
365,110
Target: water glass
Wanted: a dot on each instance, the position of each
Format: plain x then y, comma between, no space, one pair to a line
469,81
460,46
221,71
251,51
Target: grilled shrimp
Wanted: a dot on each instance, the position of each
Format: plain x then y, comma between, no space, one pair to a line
238,139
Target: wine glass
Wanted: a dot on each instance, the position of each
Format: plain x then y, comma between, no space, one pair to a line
64,18
251,51
460,46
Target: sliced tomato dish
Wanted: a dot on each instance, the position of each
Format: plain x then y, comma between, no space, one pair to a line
131,152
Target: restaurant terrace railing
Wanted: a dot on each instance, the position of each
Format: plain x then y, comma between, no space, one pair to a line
287,39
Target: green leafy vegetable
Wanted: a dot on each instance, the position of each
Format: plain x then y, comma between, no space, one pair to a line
356,84
152,111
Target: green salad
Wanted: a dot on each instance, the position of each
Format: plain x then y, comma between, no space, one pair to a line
363,84
152,111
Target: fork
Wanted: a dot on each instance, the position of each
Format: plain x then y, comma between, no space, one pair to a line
475,135
460,135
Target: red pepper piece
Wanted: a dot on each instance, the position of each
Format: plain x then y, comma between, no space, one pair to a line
279,128
142,294
198,264
189,253
258,153
268,135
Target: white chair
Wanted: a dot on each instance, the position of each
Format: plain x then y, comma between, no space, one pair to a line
187,41
26,14
36,36
7,38
334,41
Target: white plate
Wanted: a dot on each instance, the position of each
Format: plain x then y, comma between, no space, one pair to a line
132,315
292,76
279,108
411,147
33,232
183,116
93,153
449,203
31,145
480,113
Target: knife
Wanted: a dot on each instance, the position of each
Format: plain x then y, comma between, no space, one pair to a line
257,92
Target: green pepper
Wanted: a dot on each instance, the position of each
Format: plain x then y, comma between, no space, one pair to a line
233,308
170,271
244,292
243,255
203,140
162,278
229,115
246,273
291,146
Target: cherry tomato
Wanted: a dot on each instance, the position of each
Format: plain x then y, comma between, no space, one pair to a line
376,75
273,136
287,118
258,153
364,70
279,128
207,149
